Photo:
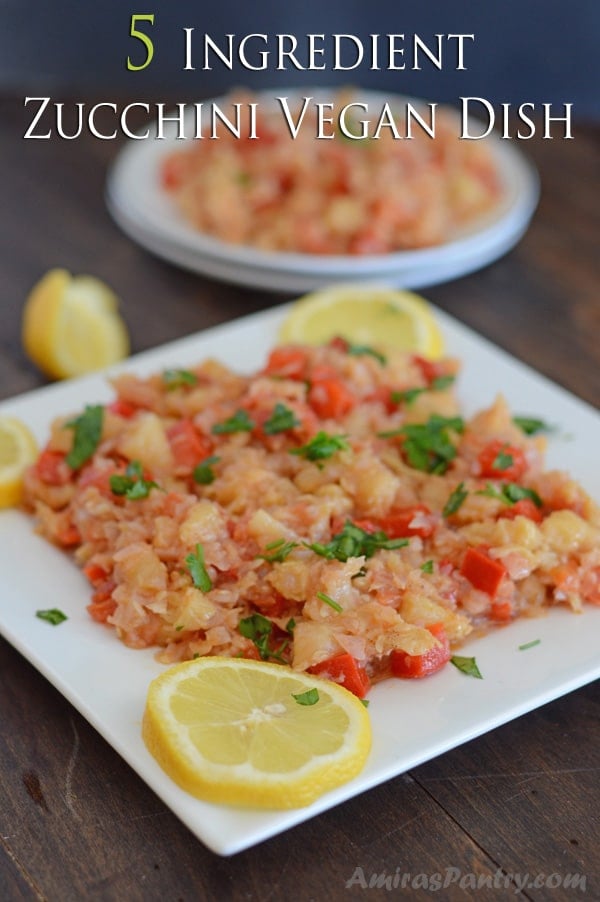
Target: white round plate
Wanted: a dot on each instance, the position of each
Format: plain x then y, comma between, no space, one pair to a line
147,213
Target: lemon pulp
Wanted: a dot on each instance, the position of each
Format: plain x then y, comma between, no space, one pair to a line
230,730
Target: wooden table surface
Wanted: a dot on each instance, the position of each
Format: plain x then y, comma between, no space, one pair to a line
75,822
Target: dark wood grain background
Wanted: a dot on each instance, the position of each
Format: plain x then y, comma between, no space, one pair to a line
75,822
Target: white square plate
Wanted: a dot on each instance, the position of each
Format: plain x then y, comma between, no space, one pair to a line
413,721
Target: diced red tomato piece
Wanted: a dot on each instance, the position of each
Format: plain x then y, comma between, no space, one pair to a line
102,609
330,398
339,343
123,408
417,666
482,571
69,536
523,508
398,523
52,468
491,455
430,370
189,447
173,171
501,610
345,670
289,362
95,574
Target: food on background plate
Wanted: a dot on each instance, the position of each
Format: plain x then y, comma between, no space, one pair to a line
71,325
333,511
18,450
252,733
340,196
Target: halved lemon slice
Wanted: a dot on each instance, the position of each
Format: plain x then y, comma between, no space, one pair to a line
18,450
246,732
380,317
71,325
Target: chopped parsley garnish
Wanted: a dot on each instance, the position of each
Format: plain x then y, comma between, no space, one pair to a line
52,615
456,500
132,483
88,432
427,567
310,697
409,395
510,493
197,567
427,446
239,422
203,472
353,541
532,425
322,446
259,629
503,460
289,627
466,665
178,379
362,350
364,701
330,601
531,644
279,550
280,420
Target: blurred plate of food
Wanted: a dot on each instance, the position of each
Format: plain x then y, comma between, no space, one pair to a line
292,192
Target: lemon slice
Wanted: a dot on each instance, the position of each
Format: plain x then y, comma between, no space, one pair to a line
230,730
71,325
18,450
375,316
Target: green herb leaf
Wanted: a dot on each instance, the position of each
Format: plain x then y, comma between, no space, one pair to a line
353,541
52,615
178,379
531,425
529,644
132,484
409,395
239,422
280,420
88,432
516,493
466,665
279,551
198,572
503,460
310,697
259,629
364,701
427,567
456,500
510,493
289,627
330,601
322,446
427,446
203,472
362,350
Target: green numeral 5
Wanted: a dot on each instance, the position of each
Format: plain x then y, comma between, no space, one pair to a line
146,41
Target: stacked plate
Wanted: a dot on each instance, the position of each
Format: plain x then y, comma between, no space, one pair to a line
147,213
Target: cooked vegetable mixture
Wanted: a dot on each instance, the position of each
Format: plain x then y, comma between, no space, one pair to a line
344,195
334,511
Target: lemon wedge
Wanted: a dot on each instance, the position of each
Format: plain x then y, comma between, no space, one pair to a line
379,317
71,325
18,450
245,732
